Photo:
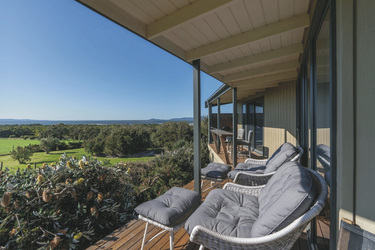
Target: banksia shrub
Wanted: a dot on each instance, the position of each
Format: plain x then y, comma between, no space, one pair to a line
63,207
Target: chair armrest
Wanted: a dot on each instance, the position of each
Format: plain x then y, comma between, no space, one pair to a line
255,162
251,179
252,190
299,155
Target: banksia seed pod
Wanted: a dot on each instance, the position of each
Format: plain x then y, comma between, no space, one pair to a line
69,164
102,177
55,242
74,195
5,201
94,211
28,194
100,197
17,205
77,236
79,181
81,164
62,231
89,195
39,179
46,196
12,232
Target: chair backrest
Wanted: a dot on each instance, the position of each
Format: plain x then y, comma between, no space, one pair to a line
290,193
284,153
241,133
323,154
250,136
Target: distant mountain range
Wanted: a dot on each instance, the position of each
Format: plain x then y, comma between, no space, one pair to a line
99,122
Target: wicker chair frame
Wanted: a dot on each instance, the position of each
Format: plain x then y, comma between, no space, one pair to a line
283,239
251,179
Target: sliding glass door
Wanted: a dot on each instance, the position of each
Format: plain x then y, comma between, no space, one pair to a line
254,120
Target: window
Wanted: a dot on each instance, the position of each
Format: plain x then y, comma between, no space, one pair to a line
254,120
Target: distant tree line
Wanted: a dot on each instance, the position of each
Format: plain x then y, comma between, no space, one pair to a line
110,140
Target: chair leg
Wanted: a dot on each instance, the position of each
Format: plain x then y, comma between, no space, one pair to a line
171,240
144,236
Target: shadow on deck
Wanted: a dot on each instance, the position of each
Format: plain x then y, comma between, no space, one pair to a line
130,236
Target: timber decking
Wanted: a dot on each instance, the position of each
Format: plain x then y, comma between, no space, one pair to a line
130,236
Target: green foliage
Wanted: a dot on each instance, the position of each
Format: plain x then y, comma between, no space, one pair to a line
167,134
120,140
22,154
50,144
68,206
174,168
12,131
59,131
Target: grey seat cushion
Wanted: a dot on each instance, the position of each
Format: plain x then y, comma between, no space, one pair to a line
284,153
215,170
290,192
226,212
255,169
171,208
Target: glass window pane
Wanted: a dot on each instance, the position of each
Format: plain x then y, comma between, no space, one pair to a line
323,106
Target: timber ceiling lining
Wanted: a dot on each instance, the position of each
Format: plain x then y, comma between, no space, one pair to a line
251,44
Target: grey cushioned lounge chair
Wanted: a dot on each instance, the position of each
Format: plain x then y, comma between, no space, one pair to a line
323,154
259,217
255,172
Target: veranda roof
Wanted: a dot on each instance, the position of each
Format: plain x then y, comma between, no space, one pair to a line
249,44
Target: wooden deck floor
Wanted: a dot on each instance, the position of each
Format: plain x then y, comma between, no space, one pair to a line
130,236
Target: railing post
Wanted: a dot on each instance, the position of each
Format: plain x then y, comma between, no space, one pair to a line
209,122
197,125
218,114
235,121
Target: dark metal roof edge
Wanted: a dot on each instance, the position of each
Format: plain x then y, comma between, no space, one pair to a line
219,92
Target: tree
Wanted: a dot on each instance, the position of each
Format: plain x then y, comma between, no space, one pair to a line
49,144
167,134
22,154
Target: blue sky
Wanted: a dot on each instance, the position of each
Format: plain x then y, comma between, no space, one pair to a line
61,61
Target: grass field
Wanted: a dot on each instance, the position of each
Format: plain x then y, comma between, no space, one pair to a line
6,145
53,157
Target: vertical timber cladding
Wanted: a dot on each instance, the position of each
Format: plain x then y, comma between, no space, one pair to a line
280,116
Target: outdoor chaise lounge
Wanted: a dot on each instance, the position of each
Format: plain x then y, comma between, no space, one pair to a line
257,172
271,216
323,154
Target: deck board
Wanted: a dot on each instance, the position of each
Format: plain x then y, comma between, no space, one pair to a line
130,236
